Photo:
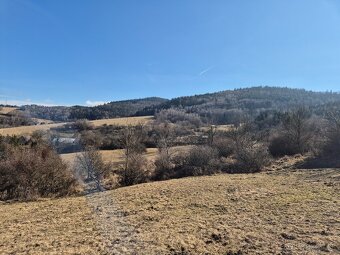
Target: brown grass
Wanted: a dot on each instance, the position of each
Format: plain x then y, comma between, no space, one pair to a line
7,110
116,156
123,121
282,212
27,130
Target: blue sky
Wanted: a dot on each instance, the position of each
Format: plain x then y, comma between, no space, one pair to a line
88,51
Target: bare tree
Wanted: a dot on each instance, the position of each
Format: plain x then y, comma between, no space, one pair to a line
211,134
134,168
165,136
297,129
90,163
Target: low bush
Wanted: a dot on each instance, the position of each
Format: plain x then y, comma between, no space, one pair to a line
199,160
134,171
30,172
251,159
281,145
223,146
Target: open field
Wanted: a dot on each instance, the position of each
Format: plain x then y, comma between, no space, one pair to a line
283,212
116,156
123,121
7,110
26,130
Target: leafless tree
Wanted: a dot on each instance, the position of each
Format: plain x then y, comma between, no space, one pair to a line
90,163
134,168
297,129
165,136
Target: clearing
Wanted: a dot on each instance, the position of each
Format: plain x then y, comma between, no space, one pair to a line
26,130
278,212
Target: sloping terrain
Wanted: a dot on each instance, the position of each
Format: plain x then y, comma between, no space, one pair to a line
7,110
26,130
279,212
220,107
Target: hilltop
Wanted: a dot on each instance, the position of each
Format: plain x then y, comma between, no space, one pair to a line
221,107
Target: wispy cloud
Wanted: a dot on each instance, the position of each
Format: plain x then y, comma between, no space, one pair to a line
205,70
94,103
25,102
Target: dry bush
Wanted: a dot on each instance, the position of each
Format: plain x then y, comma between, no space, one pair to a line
251,158
199,160
91,167
224,146
281,145
163,166
31,172
82,125
179,117
90,138
135,168
134,171
250,153
332,145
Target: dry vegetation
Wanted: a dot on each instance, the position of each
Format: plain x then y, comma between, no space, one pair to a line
26,130
116,157
6,110
282,212
123,121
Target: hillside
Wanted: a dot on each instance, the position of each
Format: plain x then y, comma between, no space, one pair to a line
223,107
230,106
116,109
25,130
282,212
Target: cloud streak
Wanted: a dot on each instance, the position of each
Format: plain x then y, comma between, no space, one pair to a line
205,70
25,102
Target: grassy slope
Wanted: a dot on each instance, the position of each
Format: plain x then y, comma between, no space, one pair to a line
281,212
116,157
24,130
7,110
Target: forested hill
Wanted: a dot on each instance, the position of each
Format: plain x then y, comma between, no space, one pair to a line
108,110
226,106
220,107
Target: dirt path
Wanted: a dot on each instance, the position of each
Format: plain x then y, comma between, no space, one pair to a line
117,234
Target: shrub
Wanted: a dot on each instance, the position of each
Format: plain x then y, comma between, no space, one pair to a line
82,125
134,170
91,166
223,146
252,159
31,172
90,138
199,160
250,153
281,145
163,166
180,117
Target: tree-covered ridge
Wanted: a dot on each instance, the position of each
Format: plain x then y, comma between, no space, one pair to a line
220,108
109,110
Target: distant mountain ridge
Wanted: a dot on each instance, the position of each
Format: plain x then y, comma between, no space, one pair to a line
219,106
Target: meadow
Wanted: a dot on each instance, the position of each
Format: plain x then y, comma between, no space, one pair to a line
278,212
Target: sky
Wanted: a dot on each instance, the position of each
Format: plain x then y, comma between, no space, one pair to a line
88,52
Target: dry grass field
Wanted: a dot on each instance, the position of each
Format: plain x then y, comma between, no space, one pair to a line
123,121
26,130
279,212
116,156
7,110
